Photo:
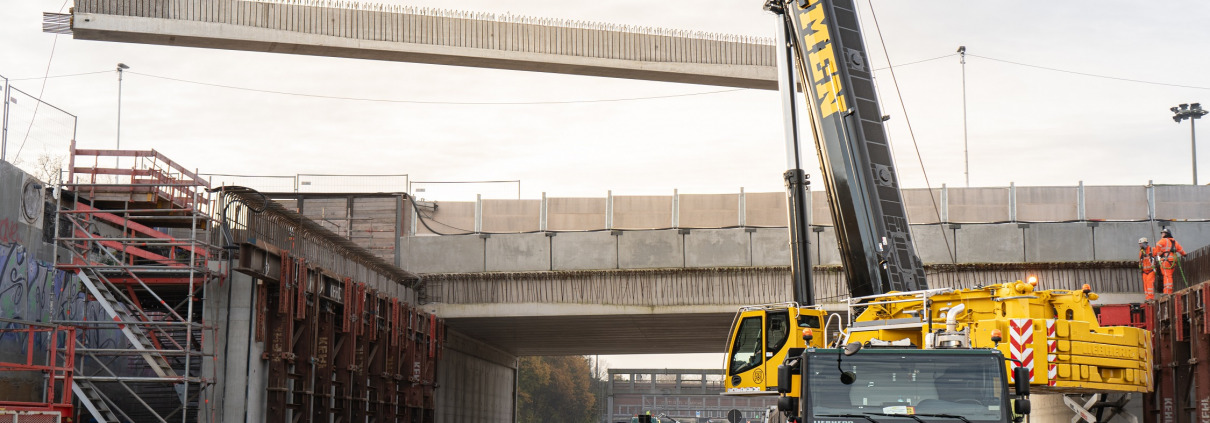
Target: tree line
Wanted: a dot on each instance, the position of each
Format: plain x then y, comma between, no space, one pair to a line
559,389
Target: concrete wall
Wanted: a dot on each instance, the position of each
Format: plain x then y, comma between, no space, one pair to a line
651,249
517,252
718,248
768,209
584,250
476,383
1061,242
454,253
239,394
770,247
31,288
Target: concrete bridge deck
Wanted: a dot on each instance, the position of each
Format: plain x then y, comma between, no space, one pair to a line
675,291
408,34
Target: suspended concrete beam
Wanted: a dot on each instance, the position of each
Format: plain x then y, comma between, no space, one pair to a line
436,37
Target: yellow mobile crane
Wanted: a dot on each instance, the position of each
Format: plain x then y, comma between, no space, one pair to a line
925,354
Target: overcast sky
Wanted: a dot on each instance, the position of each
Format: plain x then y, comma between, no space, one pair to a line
1027,125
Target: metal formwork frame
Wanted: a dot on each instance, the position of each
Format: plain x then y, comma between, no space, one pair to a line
345,352
1182,355
336,345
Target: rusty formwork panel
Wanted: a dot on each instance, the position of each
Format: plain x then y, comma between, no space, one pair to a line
343,339
1182,357
337,350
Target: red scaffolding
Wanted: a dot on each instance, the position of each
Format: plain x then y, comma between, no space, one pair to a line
54,364
133,225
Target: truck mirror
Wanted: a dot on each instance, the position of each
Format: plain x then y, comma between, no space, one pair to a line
785,376
852,348
786,403
1021,376
1021,406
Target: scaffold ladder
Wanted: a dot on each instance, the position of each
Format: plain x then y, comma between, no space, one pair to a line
1093,408
137,337
93,400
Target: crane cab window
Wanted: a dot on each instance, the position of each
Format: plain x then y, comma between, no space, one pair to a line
778,332
746,351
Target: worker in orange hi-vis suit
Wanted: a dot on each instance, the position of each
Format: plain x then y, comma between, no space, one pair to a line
1147,264
1167,249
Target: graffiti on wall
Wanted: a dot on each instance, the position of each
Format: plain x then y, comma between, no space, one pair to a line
34,290
9,232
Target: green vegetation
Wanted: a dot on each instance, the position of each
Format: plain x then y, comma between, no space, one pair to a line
558,389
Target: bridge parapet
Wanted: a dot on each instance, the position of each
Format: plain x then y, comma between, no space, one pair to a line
940,244
1011,204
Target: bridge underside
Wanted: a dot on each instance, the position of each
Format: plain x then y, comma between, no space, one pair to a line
588,329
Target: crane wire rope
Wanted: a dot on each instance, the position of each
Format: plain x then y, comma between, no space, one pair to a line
34,117
908,121
457,103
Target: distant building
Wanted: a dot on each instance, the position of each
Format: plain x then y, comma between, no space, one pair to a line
687,395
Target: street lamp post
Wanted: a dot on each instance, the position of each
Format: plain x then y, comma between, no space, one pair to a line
4,130
966,155
1192,112
121,67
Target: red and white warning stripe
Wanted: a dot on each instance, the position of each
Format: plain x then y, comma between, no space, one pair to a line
1052,356
1021,340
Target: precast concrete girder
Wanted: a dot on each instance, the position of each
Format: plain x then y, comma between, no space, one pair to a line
186,33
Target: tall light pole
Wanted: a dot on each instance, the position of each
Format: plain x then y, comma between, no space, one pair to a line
1192,112
121,67
4,129
966,155
117,160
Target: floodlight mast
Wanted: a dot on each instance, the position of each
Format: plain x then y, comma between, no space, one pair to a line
1193,112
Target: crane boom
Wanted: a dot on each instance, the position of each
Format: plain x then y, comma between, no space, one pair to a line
928,348
859,173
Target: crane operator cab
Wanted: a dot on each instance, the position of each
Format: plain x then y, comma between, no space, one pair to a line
762,337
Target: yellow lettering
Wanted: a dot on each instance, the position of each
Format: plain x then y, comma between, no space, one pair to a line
815,29
822,63
821,60
827,86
